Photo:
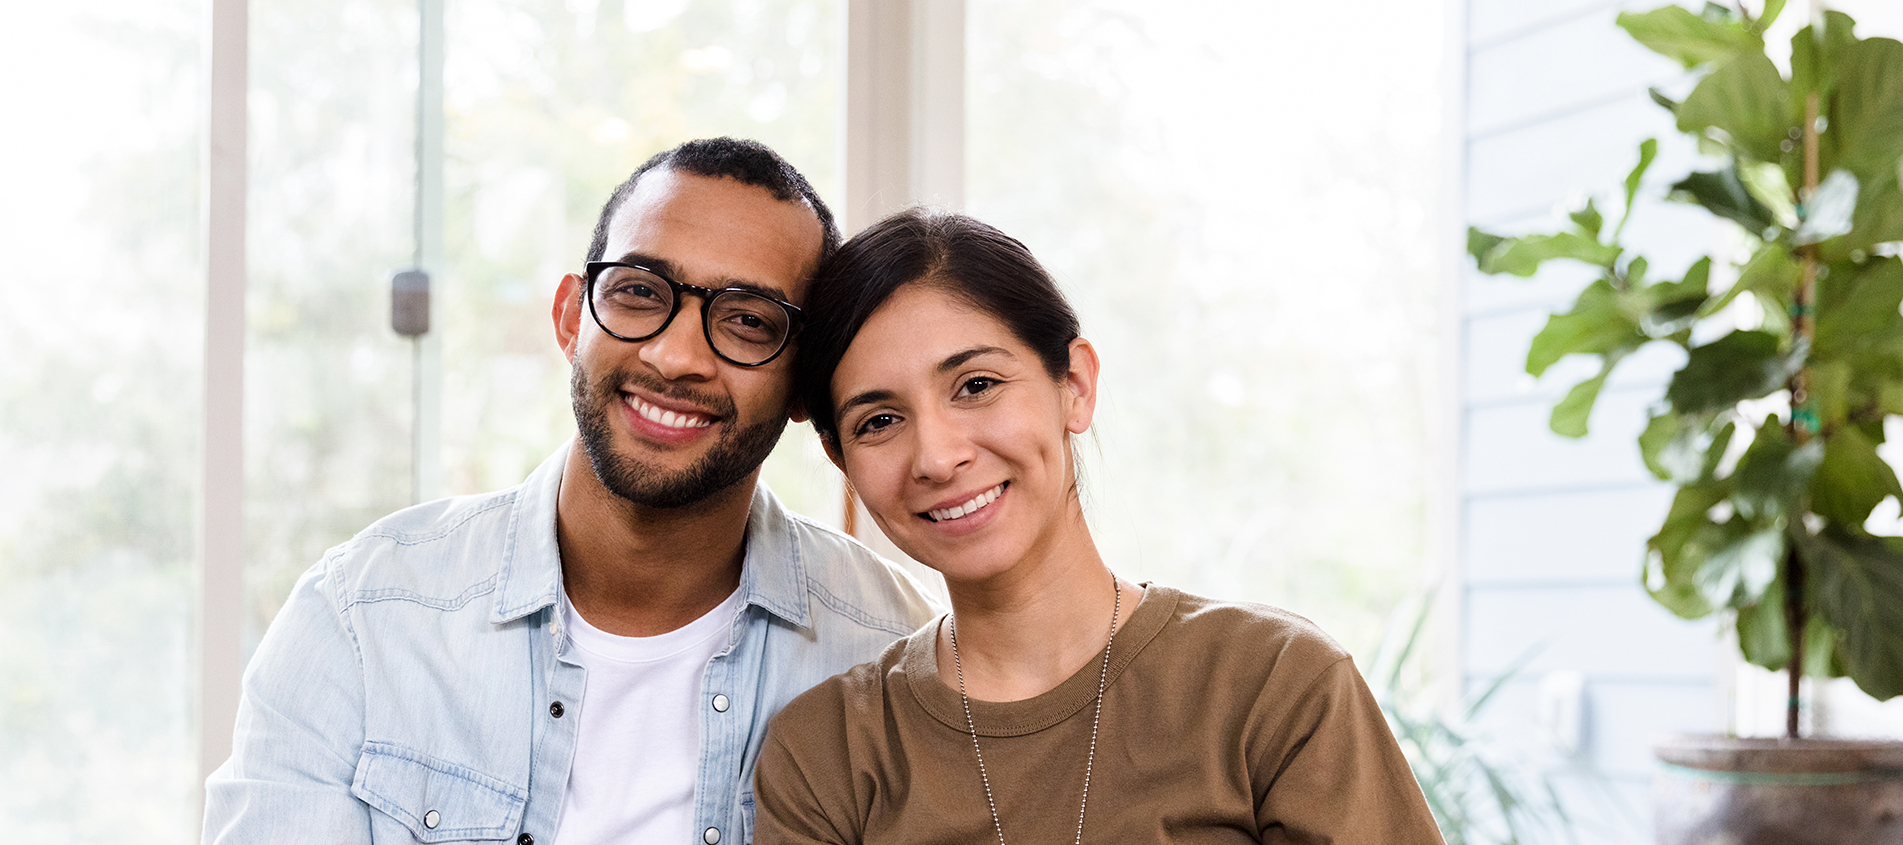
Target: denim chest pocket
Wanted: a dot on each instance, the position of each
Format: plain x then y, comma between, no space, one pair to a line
436,800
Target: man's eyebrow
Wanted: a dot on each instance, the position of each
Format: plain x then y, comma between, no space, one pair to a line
673,271
958,359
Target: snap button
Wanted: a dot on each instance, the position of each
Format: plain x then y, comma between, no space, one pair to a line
431,819
556,710
525,839
720,706
711,837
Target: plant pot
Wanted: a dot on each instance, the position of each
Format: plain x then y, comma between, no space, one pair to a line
1715,790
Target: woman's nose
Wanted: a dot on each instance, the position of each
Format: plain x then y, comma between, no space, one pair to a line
944,447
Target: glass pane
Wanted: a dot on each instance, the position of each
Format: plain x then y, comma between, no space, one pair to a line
550,105
327,382
101,329
1239,205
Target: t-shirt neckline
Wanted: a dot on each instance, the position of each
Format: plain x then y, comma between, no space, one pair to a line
599,643
1030,715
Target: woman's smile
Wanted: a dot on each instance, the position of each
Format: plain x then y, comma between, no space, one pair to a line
967,508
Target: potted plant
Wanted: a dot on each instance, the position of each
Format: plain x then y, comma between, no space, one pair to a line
1793,361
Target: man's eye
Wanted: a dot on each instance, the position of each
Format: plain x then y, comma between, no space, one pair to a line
976,385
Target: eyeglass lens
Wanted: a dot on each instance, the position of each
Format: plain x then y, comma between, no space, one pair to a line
741,326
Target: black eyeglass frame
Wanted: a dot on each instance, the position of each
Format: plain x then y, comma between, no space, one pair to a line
593,269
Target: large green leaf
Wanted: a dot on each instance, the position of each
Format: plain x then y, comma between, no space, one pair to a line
1678,447
1742,567
1878,218
1857,585
1858,307
1828,384
1588,219
1764,633
1770,275
1852,479
1768,16
1681,546
1523,256
1723,193
1596,325
1690,40
1816,55
1671,306
1648,150
1768,185
1747,100
1829,210
1479,243
1571,414
1774,473
1866,109
1739,366
1823,652
1665,448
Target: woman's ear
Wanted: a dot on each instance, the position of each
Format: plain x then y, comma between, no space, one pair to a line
1081,381
830,442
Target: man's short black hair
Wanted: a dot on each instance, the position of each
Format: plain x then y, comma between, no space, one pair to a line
745,161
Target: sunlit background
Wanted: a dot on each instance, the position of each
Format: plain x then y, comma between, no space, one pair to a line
1256,207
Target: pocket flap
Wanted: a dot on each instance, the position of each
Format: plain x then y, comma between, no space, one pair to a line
410,786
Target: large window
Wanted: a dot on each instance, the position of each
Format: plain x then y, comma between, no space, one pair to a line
1241,199
1243,220
101,335
546,107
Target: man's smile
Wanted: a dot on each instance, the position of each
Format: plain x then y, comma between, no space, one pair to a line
671,419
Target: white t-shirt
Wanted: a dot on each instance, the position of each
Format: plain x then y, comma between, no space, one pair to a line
637,753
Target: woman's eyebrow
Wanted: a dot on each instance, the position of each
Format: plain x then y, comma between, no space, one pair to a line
958,359
870,397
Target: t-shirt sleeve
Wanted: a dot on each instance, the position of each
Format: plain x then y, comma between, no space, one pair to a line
1336,776
789,807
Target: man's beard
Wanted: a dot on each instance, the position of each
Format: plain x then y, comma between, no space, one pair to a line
733,457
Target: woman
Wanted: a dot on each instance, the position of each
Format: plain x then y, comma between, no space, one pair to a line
1056,702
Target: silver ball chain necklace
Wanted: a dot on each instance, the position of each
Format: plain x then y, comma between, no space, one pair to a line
1103,674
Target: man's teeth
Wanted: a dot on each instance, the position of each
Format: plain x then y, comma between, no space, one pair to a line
666,417
968,508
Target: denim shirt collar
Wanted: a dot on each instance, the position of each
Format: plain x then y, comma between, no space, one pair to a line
772,575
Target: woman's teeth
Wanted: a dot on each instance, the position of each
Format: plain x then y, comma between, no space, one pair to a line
666,417
968,508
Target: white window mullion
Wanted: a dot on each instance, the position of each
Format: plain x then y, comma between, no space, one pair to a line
221,542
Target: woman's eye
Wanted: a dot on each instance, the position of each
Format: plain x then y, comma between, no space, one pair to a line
976,385
875,423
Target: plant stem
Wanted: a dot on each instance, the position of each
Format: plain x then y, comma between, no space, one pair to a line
1802,420
1794,617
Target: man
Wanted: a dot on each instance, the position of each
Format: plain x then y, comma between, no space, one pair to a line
591,656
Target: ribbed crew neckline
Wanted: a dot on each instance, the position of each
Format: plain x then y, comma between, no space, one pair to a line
1030,715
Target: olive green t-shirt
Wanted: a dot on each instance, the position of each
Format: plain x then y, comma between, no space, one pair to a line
1222,722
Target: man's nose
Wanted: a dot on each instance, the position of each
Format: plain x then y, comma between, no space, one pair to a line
680,351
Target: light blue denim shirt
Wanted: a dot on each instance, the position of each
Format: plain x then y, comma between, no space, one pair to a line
417,684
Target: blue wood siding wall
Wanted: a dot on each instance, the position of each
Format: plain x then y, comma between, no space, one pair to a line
1552,529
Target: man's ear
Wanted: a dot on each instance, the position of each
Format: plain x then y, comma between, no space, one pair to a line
796,410
566,313
1081,379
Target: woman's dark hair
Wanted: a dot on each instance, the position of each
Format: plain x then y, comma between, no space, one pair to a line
951,252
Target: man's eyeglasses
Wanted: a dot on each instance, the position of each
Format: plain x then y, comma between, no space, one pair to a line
634,303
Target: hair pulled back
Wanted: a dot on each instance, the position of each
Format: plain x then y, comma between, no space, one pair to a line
959,255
